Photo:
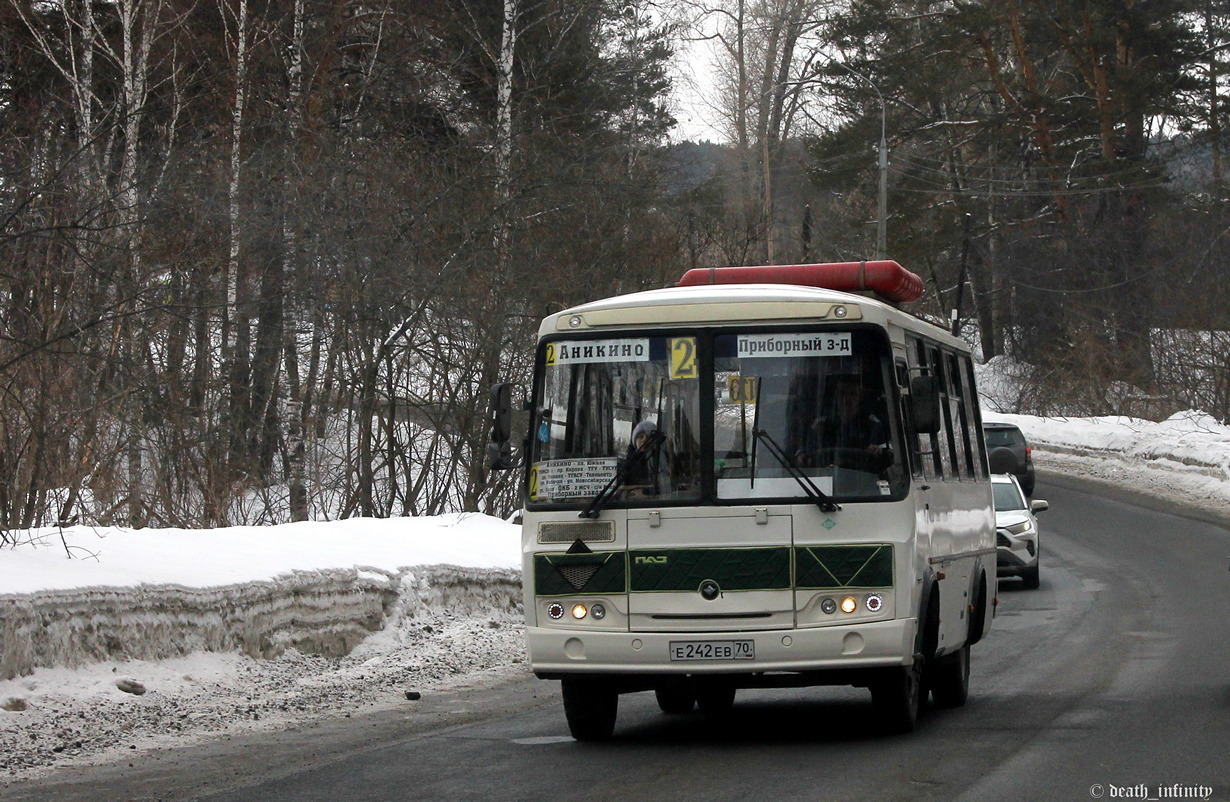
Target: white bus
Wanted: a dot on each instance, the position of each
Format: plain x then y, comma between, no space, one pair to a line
751,480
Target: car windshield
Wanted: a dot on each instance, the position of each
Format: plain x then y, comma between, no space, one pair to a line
1007,497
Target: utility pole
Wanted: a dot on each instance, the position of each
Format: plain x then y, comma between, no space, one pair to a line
882,223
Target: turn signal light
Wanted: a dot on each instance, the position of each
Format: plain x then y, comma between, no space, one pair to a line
849,604
579,611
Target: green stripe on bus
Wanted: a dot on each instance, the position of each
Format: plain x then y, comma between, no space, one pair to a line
734,569
568,574
659,570
834,567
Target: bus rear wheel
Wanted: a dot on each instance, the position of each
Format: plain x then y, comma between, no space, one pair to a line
716,699
949,678
590,707
675,699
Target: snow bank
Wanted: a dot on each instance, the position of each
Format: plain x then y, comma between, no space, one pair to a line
79,556
317,612
315,587
1186,456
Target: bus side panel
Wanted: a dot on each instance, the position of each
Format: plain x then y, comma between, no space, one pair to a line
962,545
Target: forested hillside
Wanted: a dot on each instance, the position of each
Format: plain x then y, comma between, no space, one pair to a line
262,258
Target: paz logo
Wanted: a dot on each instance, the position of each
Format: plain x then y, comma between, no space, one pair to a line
829,523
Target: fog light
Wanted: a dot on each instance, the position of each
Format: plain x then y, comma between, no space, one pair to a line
578,611
598,612
875,603
555,610
849,604
828,606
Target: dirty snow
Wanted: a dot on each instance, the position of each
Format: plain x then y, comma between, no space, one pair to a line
444,593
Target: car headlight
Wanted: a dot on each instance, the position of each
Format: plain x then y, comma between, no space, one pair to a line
1024,527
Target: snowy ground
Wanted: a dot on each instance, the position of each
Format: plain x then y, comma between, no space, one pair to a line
118,641
420,626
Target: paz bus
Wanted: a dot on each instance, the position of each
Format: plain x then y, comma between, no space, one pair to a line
761,477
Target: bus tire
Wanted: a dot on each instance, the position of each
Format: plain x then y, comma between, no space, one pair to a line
897,697
715,700
950,678
675,699
978,611
590,707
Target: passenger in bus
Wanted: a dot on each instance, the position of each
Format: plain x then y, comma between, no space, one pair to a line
642,456
853,434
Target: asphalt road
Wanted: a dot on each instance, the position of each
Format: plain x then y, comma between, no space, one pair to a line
1112,681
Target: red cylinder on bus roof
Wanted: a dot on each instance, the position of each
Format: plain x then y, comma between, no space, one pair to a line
884,277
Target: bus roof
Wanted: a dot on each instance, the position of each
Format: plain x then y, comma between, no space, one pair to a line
721,304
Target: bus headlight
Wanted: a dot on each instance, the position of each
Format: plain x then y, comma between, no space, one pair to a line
555,610
579,611
875,603
828,606
598,611
849,604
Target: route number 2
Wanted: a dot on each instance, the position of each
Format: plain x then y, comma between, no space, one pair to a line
683,358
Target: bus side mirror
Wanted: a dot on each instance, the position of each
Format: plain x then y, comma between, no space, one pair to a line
925,404
499,450
501,412
500,456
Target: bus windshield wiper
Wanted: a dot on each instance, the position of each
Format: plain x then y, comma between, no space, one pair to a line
604,496
822,499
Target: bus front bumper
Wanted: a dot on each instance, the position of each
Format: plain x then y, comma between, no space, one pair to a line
556,652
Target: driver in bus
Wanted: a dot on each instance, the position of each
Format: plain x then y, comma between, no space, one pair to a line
853,434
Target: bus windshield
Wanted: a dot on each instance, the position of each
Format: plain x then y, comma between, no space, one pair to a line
789,414
810,404
602,402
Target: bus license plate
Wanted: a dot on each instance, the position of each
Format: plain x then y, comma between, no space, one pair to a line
713,650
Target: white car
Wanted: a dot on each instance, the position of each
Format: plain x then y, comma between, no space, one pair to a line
1016,530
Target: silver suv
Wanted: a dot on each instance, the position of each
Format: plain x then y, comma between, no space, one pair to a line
1016,531
1008,452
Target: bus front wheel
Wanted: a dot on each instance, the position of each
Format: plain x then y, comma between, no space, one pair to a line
590,707
897,697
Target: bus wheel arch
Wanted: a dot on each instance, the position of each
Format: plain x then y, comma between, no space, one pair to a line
979,604
948,676
899,693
